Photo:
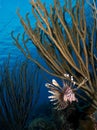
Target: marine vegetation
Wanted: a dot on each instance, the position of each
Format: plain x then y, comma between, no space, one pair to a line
19,95
67,42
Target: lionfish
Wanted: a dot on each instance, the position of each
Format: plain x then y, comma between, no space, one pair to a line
61,96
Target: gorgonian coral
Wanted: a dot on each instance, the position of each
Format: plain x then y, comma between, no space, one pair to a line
65,42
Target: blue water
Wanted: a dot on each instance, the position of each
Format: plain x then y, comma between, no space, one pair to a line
9,21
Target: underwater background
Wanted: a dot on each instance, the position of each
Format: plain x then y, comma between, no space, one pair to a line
24,103
9,21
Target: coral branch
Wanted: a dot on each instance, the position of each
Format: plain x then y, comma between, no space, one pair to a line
66,47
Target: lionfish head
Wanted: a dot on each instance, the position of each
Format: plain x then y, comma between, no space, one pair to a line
61,96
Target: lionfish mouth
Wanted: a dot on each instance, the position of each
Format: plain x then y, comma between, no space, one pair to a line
61,96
